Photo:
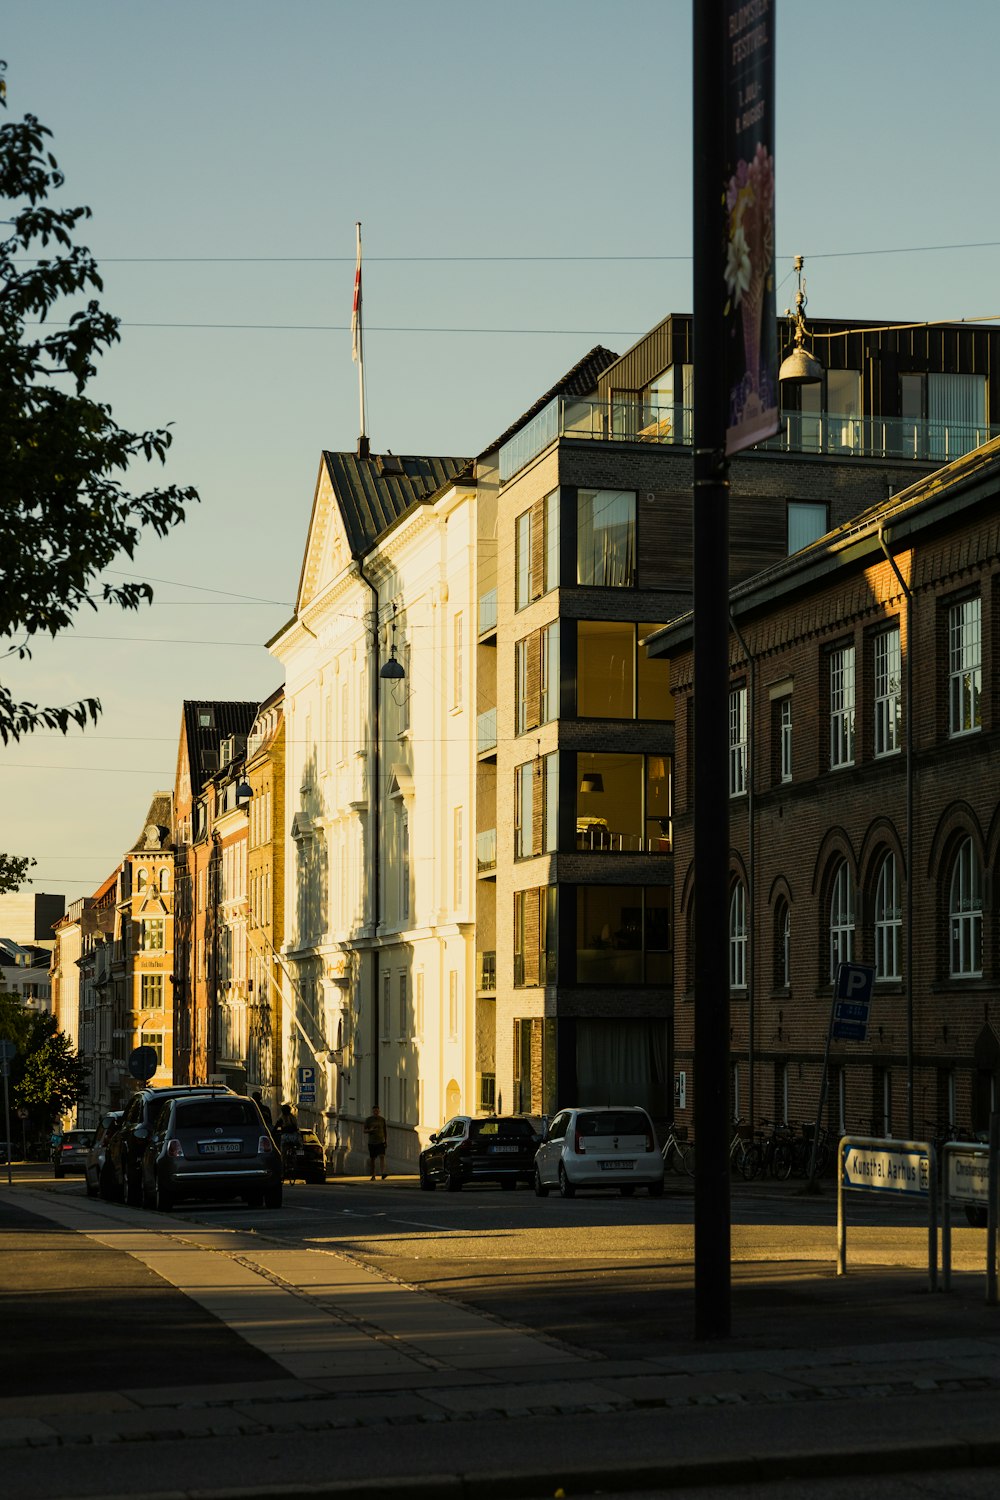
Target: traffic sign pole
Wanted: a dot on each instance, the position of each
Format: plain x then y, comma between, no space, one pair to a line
7,1051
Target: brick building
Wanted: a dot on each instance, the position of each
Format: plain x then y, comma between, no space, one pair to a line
864,824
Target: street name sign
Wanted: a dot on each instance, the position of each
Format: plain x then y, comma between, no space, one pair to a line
881,1169
968,1176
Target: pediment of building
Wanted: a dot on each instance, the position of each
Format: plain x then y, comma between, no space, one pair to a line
328,552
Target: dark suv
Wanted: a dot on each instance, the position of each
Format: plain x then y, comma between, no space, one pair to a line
500,1148
121,1177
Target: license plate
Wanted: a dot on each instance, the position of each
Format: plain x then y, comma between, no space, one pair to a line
219,1148
504,1148
617,1166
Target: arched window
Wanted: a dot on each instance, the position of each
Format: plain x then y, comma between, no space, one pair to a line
164,879
782,945
966,911
738,937
841,918
142,878
888,920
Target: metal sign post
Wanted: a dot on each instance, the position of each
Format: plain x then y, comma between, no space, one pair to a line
965,1178
874,1164
852,994
8,1051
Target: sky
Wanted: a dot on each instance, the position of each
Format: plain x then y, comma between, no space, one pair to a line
522,174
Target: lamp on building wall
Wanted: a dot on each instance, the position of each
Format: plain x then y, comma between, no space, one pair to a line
592,781
244,793
800,367
392,670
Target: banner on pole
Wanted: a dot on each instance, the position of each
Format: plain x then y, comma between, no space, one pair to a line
751,334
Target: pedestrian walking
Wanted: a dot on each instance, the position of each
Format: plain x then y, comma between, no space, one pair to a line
377,1136
264,1108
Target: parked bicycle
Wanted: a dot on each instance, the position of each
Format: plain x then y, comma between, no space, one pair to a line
678,1151
739,1146
770,1153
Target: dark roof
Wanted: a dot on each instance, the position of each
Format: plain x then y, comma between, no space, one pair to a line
226,720
159,816
580,381
376,492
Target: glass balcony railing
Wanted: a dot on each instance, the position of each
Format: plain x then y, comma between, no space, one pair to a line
488,612
821,432
486,731
486,850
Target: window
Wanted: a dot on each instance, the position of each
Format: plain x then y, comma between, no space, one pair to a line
966,910
457,686
524,810
453,1004
550,529
385,1018
550,831
547,936
404,1017
549,668
887,692
142,878
605,538
418,1008
488,1093
153,1039
151,991
622,935
535,936
737,741
152,934
888,920
521,685
841,918
624,803
842,706
164,879
964,666
785,738
458,857
738,937
523,583
782,945
404,866
807,522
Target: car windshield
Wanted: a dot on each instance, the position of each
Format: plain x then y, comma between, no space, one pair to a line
613,1122
77,1137
207,1114
309,1137
500,1127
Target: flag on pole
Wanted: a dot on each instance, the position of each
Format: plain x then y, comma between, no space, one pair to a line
356,309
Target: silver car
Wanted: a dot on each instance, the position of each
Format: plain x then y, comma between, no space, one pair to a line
205,1147
70,1155
603,1146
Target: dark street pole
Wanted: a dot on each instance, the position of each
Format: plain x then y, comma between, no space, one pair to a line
711,685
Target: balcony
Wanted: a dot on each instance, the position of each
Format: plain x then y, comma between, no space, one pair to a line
486,982
486,851
486,732
488,613
829,433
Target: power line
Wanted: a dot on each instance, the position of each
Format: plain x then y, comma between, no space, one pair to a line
201,588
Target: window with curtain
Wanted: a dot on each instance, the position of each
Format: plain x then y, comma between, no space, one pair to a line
620,1060
956,412
606,538
807,522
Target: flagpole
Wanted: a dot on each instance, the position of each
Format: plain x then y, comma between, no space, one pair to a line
357,344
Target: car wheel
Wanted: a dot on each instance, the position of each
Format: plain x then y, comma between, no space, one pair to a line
255,1199
655,1189
541,1191
133,1189
566,1188
426,1181
92,1188
453,1180
508,1184
110,1191
272,1195
627,1189
148,1196
163,1198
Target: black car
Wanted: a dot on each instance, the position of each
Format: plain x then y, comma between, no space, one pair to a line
93,1166
70,1155
121,1176
499,1148
210,1147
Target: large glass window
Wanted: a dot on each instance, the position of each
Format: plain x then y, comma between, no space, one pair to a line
616,679
605,538
807,522
956,409
521,685
549,670
737,741
622,935
623,802
966,908
964,666
524,810
522,561
887,692
550,524
738,937
841,918
152,934
550,837
151,987
888,920
842,706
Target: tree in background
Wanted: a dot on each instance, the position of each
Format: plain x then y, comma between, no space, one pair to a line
65,513
14,871
46,1075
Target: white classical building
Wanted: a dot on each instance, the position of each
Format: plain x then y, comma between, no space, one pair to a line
379,938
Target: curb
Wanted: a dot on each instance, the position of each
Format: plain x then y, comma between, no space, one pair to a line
591,1479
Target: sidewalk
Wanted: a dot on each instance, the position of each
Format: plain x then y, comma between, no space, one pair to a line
422,1396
